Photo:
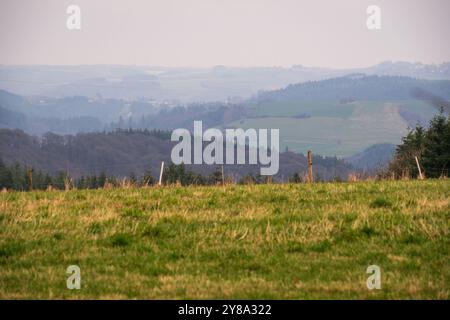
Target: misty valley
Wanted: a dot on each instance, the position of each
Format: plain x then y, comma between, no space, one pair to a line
356,118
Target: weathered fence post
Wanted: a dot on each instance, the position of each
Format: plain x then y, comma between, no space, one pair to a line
418,167
30,178
161,173
310,170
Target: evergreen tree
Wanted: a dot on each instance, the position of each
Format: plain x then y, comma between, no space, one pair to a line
60,180
18,177
435,158
6,178
431,146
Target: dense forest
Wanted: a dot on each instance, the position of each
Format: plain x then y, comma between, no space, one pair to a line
133,153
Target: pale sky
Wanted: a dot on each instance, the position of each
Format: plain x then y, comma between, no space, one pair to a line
203,33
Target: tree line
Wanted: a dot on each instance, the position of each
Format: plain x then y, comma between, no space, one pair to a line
23,178
430,145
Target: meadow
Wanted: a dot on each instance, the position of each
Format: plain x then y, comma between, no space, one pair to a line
335,129
273,241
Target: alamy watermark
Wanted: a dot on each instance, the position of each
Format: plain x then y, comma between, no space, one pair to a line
373,21
74,19
74,279
374,280
262,145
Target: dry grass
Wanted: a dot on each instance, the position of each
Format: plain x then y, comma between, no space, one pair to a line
256,241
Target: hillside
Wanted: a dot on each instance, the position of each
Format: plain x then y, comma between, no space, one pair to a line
121,153
334,117
236,242
105,110
11,119
346,115
373,158
357,87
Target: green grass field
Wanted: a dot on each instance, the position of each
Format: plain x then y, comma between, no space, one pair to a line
260,241
335,129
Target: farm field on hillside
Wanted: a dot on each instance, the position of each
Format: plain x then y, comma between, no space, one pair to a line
292,241
334,129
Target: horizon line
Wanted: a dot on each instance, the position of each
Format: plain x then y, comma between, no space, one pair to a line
299,65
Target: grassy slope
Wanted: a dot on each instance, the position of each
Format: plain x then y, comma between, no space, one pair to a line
334,129
264,241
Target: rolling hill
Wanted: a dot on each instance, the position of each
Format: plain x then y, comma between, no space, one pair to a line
185,85
121,153
335,117
343,116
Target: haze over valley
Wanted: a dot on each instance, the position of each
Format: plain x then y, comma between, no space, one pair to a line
336,113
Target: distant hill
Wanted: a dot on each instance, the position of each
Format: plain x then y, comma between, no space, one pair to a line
344,116
185,85
79,114
27,118
106,110
123,152
11,119
374,157
14,102
358,87
334,117
407,69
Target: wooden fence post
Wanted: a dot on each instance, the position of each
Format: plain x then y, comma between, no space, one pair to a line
418,168
161,173
30,178
310,170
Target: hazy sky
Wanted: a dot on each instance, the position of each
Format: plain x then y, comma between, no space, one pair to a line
224,32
